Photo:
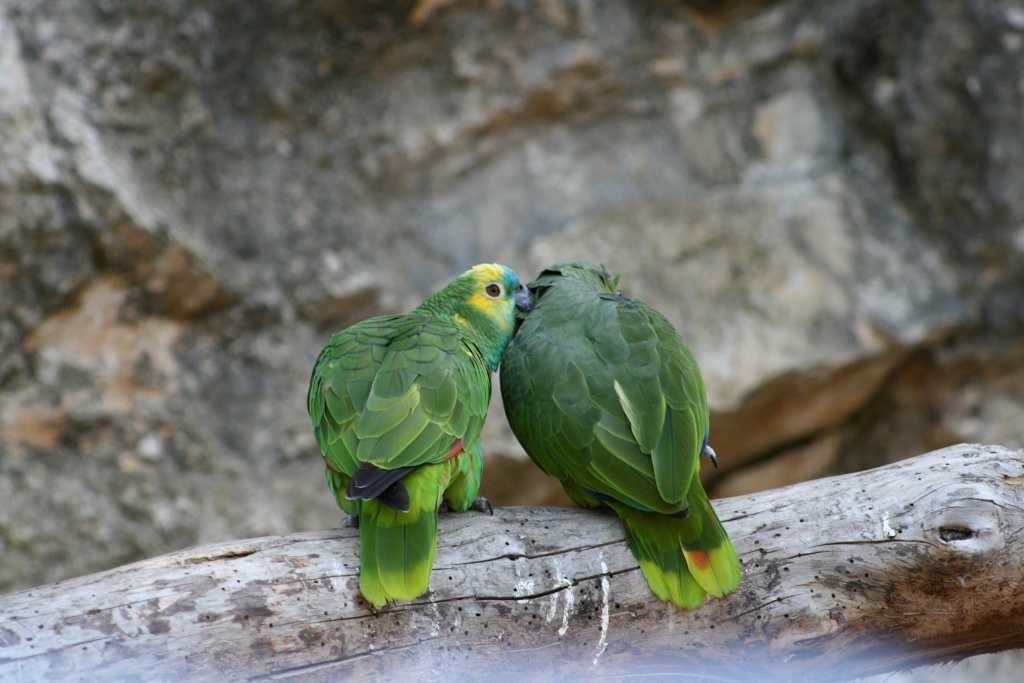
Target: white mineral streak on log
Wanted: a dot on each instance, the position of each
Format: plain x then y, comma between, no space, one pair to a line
911,563
602,644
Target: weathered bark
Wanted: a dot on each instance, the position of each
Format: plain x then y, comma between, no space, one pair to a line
907,564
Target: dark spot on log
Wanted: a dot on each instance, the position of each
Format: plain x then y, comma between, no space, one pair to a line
95,620
262,647
249,602
310,636
955,533
159,626
183,605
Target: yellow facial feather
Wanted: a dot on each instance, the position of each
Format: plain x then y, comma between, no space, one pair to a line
498,310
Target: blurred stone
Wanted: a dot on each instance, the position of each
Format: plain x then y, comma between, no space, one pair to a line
817,459
790,129
26,156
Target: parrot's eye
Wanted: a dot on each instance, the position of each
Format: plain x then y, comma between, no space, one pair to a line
493,290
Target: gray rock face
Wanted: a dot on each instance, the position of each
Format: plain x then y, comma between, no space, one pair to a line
826,198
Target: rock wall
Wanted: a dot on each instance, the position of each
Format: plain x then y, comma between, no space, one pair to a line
826,198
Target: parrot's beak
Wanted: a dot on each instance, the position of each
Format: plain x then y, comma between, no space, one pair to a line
524,298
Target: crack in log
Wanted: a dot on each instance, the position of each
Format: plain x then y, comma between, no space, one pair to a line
79,645
232,554
872,542
518,556
760,606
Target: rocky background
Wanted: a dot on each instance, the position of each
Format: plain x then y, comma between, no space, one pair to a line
826,198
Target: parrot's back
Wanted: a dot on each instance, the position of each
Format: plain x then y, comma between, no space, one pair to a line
397,405
604,394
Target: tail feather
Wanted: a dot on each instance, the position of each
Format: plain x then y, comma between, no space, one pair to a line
666,571
710,555
397,548
683,559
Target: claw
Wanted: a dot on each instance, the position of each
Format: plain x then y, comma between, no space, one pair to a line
350,522
481,504
710,453
444,506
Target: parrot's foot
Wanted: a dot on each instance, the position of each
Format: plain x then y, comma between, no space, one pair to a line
481,504
710,453
350,522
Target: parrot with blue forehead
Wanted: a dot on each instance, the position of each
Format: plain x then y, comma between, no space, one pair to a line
397,404
603,394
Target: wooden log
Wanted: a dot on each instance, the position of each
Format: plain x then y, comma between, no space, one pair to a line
912,563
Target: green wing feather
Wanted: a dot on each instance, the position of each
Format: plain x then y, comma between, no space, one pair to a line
396,391
400,391
604,394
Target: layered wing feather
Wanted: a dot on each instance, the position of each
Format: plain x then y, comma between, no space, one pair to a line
396,391
627,414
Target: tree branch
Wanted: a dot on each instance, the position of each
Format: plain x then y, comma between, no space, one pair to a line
908,564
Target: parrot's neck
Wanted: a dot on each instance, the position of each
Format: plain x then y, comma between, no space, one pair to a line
488,333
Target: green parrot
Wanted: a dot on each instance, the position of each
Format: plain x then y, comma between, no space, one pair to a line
604,394
397,404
